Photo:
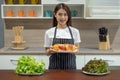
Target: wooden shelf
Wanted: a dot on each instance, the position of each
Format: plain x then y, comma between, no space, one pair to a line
13,11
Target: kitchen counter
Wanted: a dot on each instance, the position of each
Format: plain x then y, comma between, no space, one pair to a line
41,51
59,75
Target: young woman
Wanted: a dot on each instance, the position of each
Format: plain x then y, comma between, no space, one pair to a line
61,33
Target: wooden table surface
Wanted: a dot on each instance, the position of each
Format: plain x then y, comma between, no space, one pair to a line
59,75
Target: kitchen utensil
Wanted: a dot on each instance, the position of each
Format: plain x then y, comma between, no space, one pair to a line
104,43
102,38
18,39
103,31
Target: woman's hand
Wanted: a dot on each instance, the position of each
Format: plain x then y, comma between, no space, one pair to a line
78,47
49,51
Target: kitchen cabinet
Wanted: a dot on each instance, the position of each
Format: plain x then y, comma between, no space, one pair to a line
87,9
102,9
76,7
65,1
10,61
41,11
77,10
80,61
22,11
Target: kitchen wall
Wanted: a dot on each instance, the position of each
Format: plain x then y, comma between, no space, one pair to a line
34,31
1,28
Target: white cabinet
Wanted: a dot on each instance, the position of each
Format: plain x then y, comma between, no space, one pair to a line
77,10
45,58
87,9
22,11
10,61
102,9
76,7
113,60
42,11
79,61
63,1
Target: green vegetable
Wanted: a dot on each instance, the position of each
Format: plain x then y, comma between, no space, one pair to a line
96,66
29,65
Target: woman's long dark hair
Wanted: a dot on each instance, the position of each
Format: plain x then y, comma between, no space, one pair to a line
66,8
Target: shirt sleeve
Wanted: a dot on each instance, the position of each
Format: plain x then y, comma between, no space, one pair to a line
46,40
77,37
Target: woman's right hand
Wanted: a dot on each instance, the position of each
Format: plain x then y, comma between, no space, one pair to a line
49,51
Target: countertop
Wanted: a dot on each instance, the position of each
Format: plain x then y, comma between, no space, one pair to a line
41,51
59,75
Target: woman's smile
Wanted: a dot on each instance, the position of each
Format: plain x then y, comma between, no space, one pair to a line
62,21
62,17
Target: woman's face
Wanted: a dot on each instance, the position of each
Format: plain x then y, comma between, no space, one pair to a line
61,17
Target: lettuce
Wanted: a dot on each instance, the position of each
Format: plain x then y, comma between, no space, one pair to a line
29,65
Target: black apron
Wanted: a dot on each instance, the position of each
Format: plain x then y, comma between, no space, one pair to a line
62,60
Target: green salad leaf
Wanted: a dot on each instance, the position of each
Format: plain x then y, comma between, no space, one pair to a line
29,65
96,66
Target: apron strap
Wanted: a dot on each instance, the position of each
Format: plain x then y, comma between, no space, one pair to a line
70,32
55,32
54,35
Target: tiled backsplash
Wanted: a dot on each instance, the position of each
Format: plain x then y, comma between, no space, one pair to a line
34,31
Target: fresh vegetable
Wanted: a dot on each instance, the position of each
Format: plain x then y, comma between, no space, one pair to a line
29,65
96,66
